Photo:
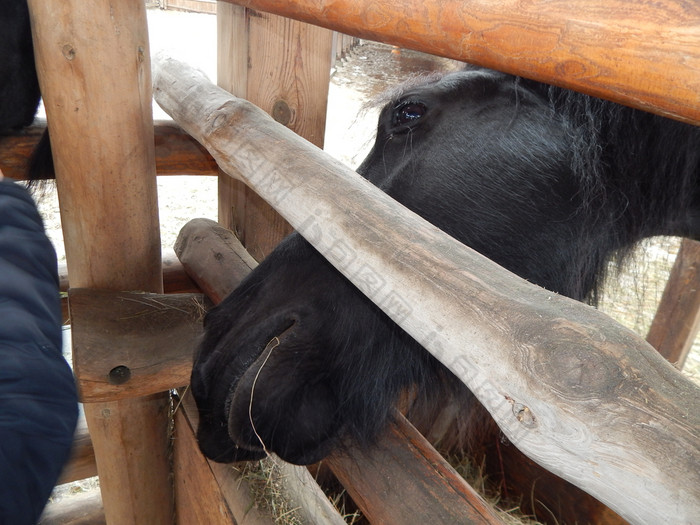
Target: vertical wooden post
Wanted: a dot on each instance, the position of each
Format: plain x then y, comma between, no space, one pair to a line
677,318
282,66
94,68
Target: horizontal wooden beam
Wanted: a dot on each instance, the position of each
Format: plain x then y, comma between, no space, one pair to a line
175,280
16,150
571,388
639,53
131,344
176,152
423,484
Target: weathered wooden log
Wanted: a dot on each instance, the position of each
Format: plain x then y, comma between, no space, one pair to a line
639,53
204,249
677,319
176,152
79,509
425,485
93,63
575,391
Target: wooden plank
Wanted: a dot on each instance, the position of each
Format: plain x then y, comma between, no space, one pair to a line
198,497
638,53
132,344
293,483
102,139
431,488
403,481
176,152
283,67
632,440
677,319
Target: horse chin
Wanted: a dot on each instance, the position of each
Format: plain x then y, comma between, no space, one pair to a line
274,407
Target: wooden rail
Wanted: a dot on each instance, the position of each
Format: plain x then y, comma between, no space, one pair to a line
608,414
639,53
176,152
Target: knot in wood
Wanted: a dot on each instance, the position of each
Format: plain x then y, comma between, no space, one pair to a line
119,375
524,415
68,52
281,112
584,374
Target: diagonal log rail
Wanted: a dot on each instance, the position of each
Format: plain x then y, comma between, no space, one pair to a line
572,389
635,52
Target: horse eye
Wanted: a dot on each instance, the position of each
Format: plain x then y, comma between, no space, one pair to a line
409,112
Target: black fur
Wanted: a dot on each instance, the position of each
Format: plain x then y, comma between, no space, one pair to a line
548,183
19,85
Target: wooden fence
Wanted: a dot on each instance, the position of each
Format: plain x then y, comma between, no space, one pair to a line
105,160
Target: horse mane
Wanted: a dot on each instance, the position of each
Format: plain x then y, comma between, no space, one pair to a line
639,175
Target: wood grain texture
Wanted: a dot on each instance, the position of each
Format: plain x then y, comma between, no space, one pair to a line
109,326
199,497
641,53
677,319
93,62
402,480
177,154
282,66
224,486
575,391
206,248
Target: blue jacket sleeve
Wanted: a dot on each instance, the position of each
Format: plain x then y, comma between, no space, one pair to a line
38,400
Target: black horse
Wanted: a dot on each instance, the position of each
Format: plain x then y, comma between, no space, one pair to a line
548,183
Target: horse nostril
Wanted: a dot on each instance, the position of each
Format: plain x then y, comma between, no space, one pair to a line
281,403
